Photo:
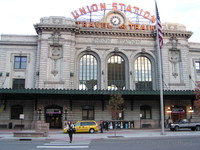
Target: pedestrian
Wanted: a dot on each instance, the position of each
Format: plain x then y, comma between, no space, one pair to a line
106,125
70,130
101,126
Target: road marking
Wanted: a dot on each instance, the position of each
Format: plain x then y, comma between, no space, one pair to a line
67,142
70,144
61,147
65,145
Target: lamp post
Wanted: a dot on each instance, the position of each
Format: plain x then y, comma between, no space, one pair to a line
169,117
191,111
65,112
39,113
169,112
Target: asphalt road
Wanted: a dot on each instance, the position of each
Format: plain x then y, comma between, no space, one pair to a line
164,143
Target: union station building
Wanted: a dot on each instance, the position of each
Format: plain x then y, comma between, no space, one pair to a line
71,67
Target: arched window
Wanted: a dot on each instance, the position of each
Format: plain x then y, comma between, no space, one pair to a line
16,110
116,72
143,73
88,72
145,111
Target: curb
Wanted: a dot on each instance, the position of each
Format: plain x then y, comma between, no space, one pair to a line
58,135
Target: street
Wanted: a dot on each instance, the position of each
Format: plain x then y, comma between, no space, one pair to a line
164,143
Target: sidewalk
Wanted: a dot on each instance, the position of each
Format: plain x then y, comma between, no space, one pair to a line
7,134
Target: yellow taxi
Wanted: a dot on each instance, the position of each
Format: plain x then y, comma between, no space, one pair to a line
90,126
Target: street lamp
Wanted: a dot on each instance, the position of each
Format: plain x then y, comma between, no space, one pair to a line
169,117
39,113
66,112
169,112
191,111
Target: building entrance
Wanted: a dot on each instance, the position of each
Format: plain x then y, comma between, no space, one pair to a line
53,116
178,112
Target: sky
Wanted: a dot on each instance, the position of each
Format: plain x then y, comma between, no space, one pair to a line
18,16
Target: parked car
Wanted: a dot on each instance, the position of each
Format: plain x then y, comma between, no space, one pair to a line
90,126
184,123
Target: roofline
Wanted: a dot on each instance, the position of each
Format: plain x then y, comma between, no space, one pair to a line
95,92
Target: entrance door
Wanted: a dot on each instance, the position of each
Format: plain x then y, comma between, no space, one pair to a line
53,115
178,112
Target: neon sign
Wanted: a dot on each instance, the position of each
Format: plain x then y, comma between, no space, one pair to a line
107,25
114,6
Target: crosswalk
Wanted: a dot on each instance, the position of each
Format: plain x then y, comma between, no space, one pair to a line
65,145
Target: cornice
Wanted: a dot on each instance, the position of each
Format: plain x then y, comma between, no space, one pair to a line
18,43
110,32
119,32
184,34
39,28
86,31
194,49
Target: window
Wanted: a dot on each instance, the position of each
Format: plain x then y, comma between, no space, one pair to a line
143,72
18,83
16,110
146,112
20,62
87,123
88,73
88,113
78,124
116,72
197,66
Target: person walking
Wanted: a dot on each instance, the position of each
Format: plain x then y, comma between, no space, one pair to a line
106,125
70,130
101,126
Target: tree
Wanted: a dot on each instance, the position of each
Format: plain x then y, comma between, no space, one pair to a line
116,105
197,92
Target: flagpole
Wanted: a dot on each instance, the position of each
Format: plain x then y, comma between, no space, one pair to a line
160,76
161,87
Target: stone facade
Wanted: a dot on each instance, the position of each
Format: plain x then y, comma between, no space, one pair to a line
53,63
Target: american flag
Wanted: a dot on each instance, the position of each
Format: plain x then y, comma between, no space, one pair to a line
159,28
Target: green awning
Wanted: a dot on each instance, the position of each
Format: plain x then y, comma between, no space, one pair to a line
95,92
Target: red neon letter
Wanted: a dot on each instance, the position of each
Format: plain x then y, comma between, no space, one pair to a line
131,26
103,25
84,24
94,7
152,27
82,11
109,26
141,12
143,27
76,15
146,14
97,24
78,22
114,6
103,6
136,9
128,8
153,19
136,27
122,6
91,25
123,26
88,9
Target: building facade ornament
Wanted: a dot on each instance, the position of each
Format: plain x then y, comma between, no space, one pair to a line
174,59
